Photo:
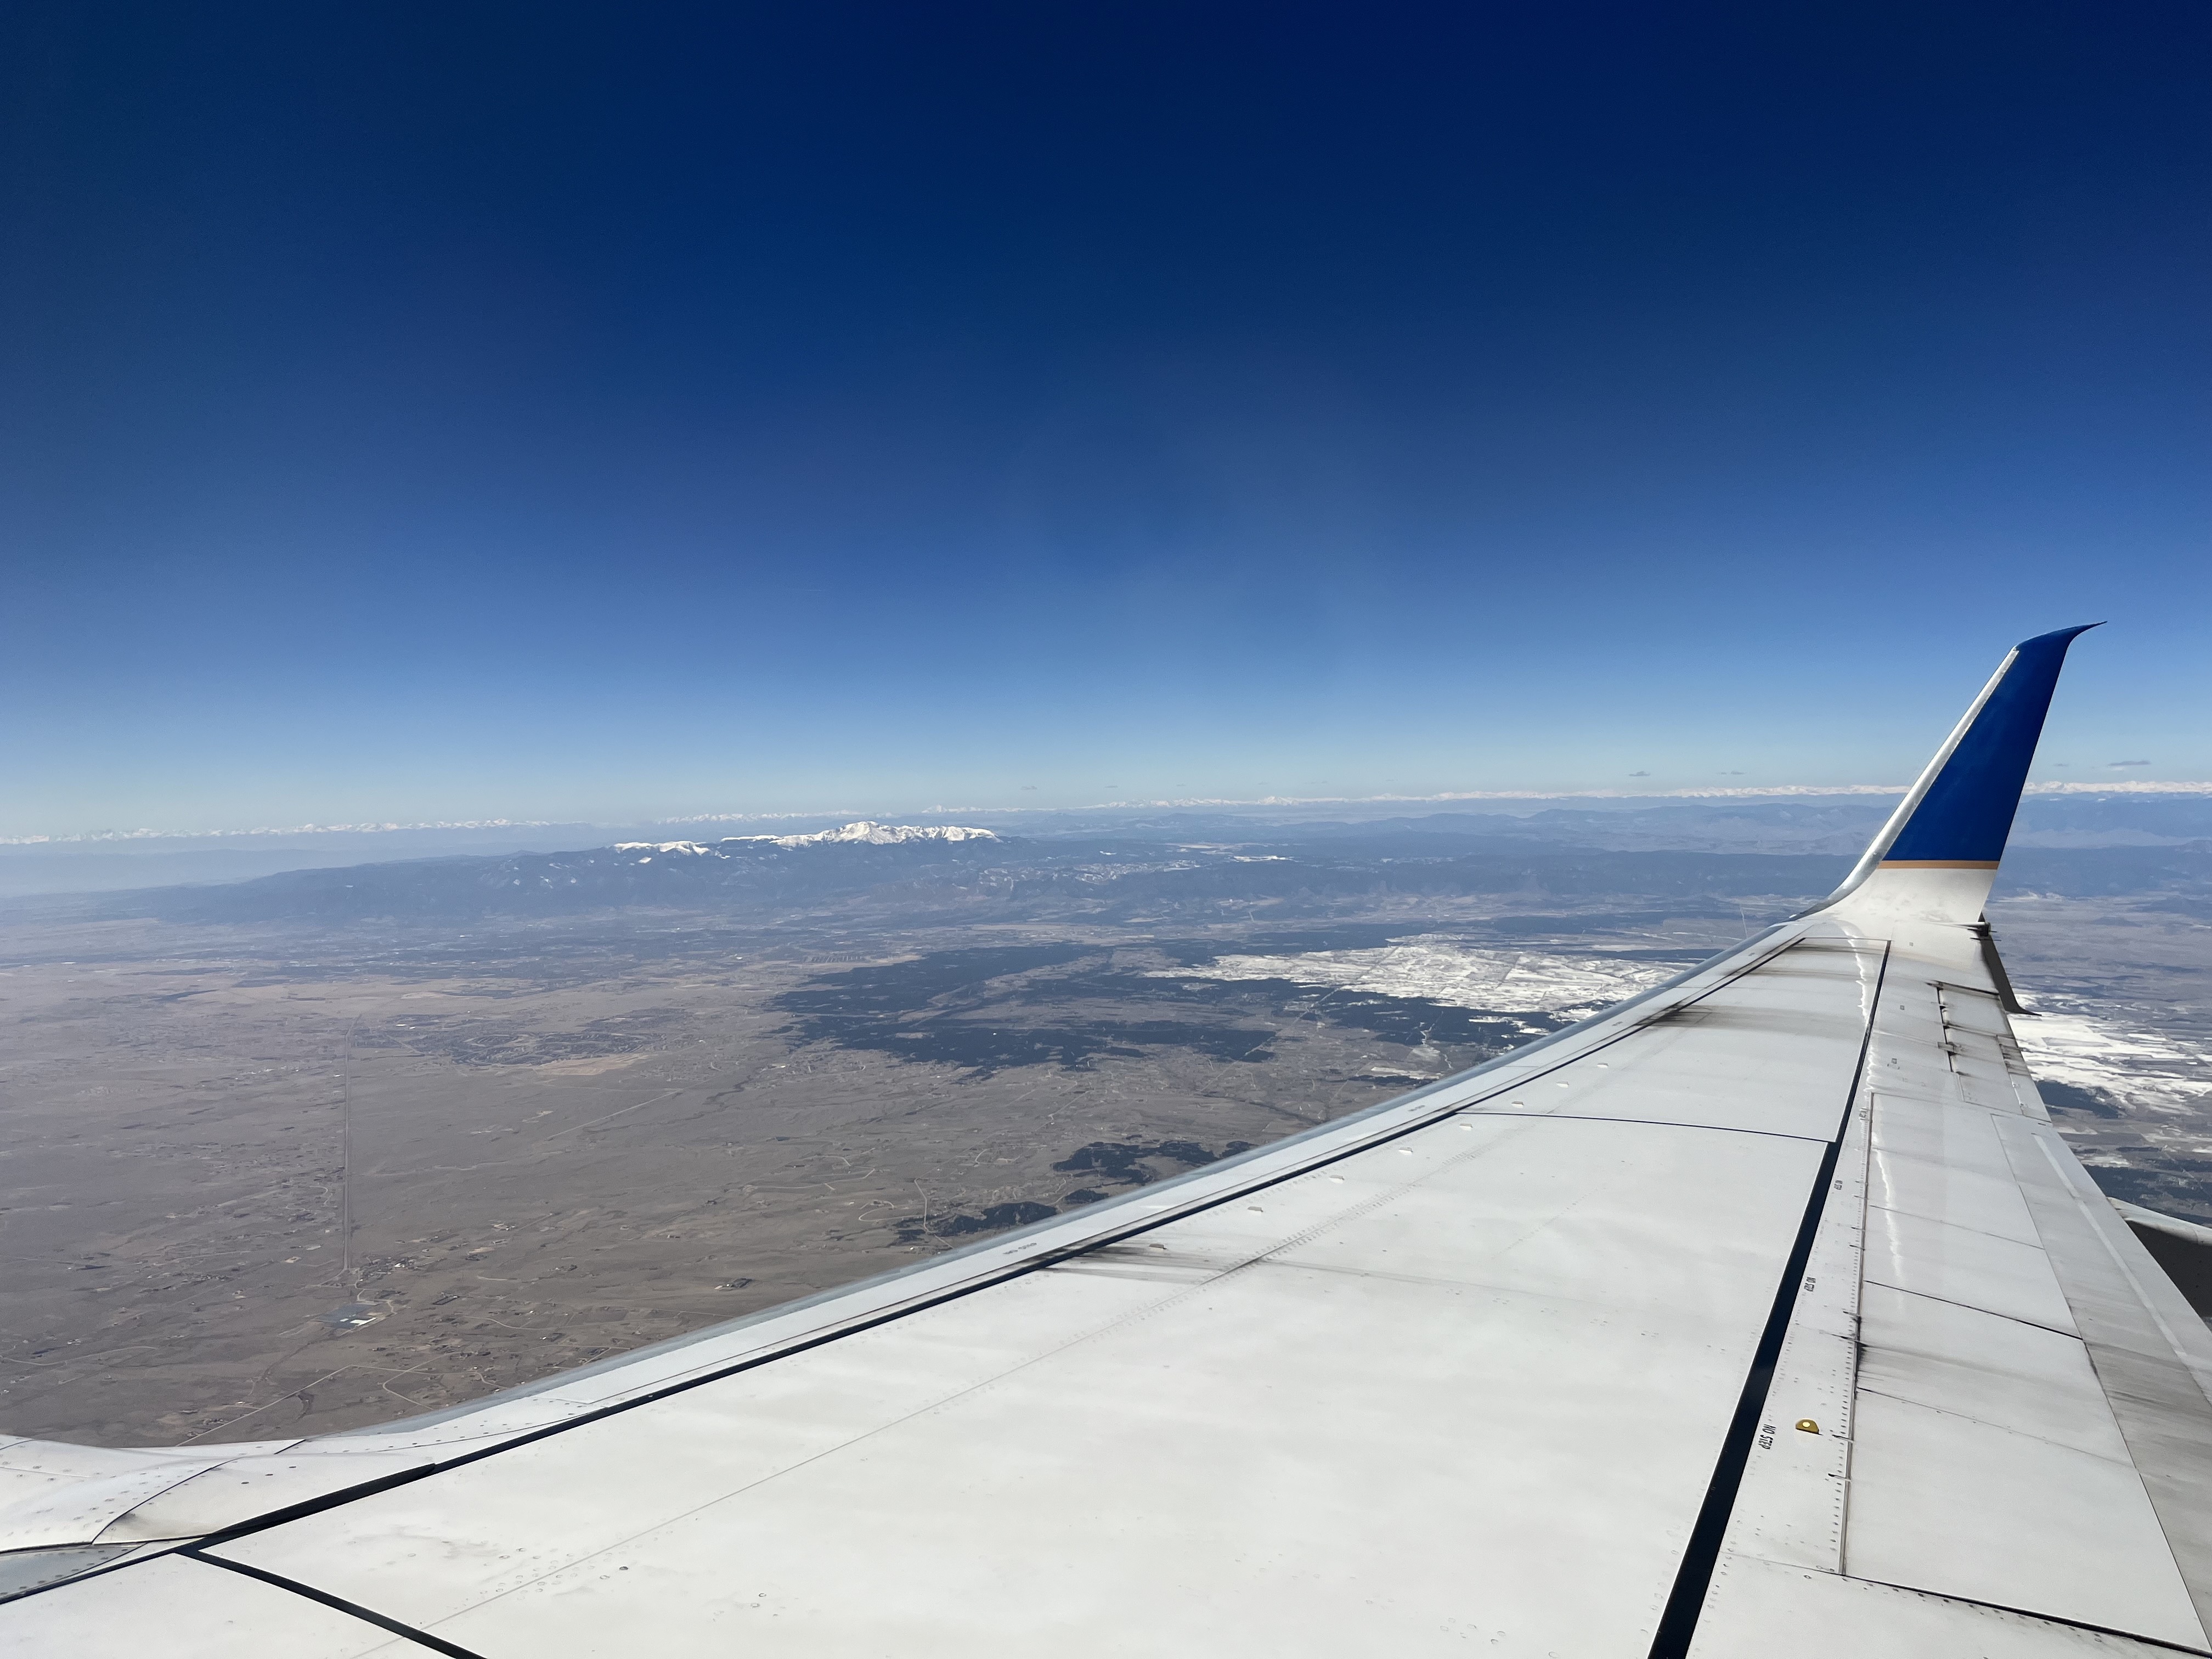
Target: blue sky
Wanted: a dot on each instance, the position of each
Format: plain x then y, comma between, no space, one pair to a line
419,413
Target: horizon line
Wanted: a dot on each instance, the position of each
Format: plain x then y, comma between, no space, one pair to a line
1785,791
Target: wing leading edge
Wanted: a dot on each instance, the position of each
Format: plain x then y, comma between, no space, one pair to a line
1764,1309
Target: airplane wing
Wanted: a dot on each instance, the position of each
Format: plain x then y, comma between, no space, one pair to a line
1764,1313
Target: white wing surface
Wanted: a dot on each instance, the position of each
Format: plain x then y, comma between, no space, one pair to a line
1765,1313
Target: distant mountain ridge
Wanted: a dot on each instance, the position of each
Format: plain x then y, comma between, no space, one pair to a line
1840,825
862,832
744,871
955,872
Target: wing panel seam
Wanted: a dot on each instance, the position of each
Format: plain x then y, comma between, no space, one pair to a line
1951,1302
368,1615
2039,1618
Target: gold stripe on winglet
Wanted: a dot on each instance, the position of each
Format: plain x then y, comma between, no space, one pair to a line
1939,864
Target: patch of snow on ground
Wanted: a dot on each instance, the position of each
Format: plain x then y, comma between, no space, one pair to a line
2131,1068
649,847
1459,977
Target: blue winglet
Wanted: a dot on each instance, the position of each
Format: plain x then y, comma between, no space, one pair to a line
1966,812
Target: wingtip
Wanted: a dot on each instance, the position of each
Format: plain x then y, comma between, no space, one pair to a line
1969,795
1958,816
2060,635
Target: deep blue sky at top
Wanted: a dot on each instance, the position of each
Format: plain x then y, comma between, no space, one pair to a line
455,411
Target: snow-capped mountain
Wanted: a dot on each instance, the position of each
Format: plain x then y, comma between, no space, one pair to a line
865,831
878,835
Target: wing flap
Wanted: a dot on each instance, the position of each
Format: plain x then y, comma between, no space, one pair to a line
2022,1433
